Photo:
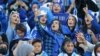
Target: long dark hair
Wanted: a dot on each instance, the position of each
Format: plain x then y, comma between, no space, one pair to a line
60,30
75,21
64,42
84,27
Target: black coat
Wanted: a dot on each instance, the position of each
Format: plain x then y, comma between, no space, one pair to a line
80,4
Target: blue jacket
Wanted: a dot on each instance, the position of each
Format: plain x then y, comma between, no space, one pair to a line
88,37
52,41
70,33
87,53
37,31
31,21
59,38
3,3
42,54
3,21
66,31
48,41
22,15
96,26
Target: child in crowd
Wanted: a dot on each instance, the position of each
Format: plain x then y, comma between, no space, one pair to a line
38,48
68,48
20,35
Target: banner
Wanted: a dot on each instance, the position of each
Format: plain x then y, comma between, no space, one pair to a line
62,17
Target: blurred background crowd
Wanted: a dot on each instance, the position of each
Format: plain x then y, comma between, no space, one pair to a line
49,27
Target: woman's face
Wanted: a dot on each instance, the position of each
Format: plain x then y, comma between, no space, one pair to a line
34,7
98,51
71,21
43,19
69,46
15,19
37,47
56,8
87,21
55,25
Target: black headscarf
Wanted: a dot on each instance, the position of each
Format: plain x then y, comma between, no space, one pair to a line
63,44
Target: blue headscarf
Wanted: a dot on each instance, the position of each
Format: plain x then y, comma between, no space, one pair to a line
68,32
10,30
62,7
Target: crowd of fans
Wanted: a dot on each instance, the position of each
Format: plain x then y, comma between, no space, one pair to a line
49,28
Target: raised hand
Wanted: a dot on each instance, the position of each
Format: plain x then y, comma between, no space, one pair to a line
80,37
85,9
90,32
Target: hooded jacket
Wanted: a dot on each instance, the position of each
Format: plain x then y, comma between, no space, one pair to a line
70,33
10,32
57,38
